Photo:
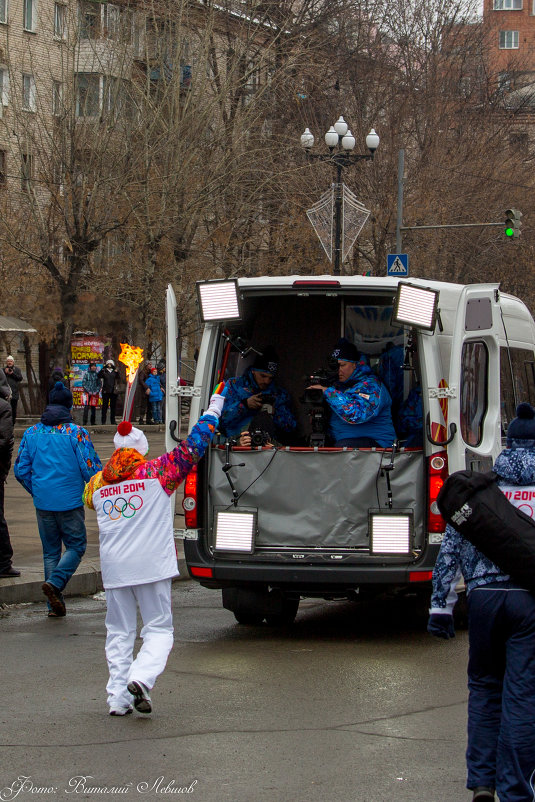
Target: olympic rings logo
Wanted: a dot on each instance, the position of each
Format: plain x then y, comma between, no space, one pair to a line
121,508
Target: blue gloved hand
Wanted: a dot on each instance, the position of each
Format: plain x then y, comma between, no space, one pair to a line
441,625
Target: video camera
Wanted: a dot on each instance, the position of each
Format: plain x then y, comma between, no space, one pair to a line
320,376
313,399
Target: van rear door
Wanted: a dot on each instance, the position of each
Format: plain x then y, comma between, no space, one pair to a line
474,379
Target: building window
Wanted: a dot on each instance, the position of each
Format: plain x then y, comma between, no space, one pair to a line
60,21
87,86
57,98
89,19
30,15
28,92
507,5
508,40
3,10
26,172
3,169
4,85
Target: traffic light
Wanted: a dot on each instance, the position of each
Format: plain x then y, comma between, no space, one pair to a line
513,223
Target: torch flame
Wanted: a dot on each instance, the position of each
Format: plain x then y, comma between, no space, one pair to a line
131,356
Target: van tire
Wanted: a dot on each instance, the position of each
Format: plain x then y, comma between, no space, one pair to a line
286,616
249,618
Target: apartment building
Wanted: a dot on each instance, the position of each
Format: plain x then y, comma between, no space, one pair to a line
510,44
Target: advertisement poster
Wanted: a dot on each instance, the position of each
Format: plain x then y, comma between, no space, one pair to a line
86,349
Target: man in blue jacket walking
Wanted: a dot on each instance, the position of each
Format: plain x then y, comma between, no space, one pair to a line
500,755
55,460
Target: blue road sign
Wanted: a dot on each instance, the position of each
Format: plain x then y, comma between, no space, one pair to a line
397,264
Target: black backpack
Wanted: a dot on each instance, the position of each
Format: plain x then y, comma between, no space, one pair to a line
475,506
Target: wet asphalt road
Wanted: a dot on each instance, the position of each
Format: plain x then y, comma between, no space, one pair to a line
353,703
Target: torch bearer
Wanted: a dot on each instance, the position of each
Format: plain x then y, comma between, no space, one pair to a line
132,357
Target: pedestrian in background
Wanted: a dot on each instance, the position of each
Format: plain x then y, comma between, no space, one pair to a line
501,629
6,450
55,460
138,555
109,377
91,384
163,379
145,407
57,375
14,378
155,395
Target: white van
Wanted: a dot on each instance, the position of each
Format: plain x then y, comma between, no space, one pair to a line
271,526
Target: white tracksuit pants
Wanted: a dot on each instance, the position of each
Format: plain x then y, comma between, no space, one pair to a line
154,601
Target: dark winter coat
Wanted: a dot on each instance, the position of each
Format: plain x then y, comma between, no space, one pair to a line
109,379
6,435
13,379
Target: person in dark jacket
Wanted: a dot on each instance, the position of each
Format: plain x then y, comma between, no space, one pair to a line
57,375
6,450
14,377
360,404
55,460
501,630
145,407
109,377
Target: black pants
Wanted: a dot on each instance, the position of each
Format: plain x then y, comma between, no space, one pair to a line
88,408
109,399
14,402
6,550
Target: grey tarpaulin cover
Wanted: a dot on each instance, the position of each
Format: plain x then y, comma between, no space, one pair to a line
319,499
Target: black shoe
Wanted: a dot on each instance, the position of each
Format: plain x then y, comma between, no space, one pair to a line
142,700
9,572
53,596
483,794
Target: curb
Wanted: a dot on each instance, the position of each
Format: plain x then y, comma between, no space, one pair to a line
82,583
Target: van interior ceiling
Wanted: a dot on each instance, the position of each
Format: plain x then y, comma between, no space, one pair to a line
304,328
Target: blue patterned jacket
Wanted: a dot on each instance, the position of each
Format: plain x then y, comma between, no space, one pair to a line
361,407
513,466
237,415
55,460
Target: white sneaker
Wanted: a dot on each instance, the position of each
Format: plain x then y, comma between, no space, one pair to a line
121,711
142,700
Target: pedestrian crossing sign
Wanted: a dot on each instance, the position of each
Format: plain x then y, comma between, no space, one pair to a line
397,264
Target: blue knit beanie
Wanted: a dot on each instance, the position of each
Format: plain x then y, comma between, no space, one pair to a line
523,426
61,395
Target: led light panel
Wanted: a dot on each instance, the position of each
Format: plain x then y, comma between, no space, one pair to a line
415,306
390,534
234,531
218,300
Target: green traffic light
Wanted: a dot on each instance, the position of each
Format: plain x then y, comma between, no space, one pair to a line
509,232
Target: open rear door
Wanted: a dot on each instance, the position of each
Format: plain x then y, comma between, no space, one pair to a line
172,412
474,391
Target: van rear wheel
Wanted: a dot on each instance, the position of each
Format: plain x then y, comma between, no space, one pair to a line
249,618
286,616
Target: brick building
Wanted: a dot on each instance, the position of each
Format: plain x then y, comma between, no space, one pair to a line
510,44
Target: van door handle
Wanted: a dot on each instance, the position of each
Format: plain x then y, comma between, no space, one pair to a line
453,431
172,429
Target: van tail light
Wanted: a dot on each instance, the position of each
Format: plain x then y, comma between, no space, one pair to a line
437,475
189,502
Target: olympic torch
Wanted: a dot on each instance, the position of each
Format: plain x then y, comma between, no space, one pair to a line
132,357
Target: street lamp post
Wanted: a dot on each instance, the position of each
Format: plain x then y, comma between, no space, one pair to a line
339,136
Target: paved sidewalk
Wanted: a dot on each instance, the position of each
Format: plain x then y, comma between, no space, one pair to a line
28,555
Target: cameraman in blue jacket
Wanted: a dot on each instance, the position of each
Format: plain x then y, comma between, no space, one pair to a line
360,404
501,666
